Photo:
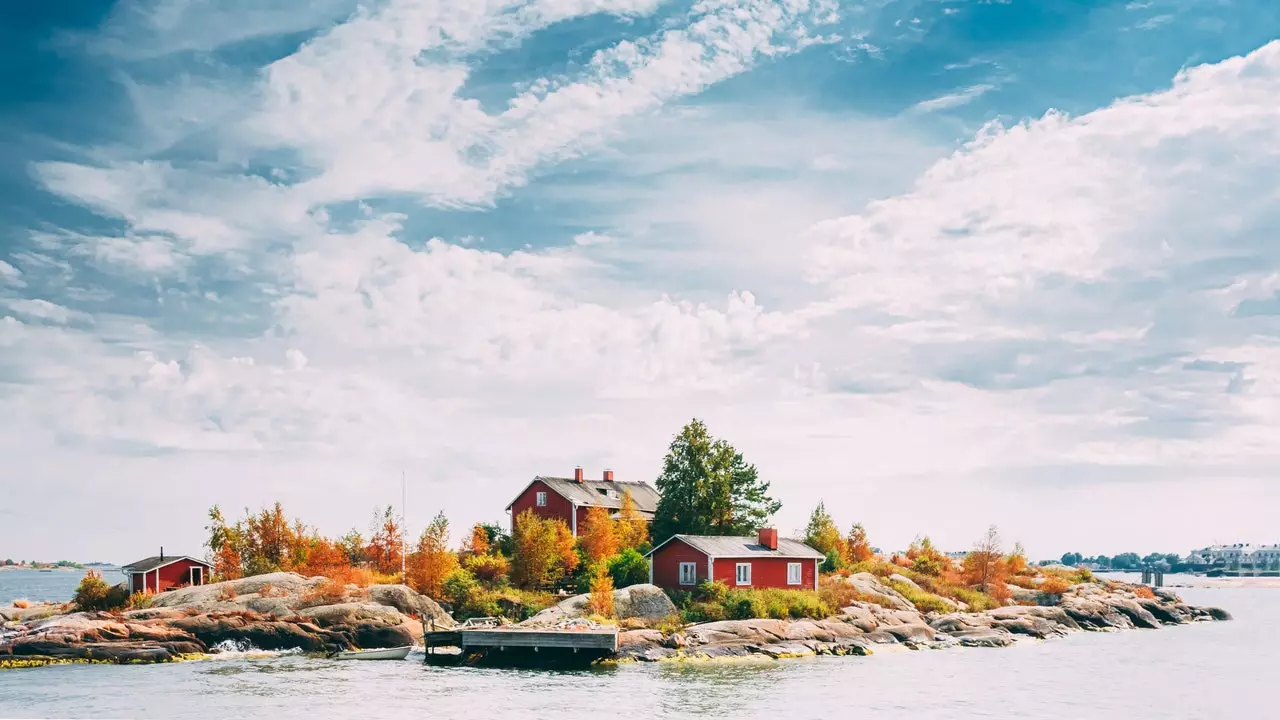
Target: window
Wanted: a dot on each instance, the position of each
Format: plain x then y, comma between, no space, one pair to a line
744,573
603,491
688,573
793,573
542,499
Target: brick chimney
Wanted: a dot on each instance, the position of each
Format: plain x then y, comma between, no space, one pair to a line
769,538
577,474
608,476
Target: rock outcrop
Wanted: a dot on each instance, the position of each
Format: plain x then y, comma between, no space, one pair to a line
640,602
280,611
859,628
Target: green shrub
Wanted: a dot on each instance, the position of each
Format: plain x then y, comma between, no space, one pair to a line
923,600
866,566
93,593
471,598
628,568
700,612
976,600
832,563
711,591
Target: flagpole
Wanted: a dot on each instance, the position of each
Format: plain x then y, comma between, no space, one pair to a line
404,494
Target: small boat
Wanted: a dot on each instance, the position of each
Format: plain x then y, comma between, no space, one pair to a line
397,653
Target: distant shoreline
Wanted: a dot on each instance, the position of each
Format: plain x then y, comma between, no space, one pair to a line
1227,583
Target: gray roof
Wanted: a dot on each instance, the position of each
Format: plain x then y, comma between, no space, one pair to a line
588,493
156,561
732,546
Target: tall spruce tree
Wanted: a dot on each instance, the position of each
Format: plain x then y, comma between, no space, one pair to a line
709,489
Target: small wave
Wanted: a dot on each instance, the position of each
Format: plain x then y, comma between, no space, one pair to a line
245,650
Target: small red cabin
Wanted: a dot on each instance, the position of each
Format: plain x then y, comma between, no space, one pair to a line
570,499
161,572
764,561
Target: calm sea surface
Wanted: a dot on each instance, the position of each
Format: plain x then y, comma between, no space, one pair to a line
54,586
1208,670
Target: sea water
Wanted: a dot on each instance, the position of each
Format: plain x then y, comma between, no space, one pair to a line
1205,670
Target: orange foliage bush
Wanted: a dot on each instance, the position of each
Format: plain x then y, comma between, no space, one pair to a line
1022,581
432,561
329,592
836,594
22,603
1143,591
323,557
601,600
1054,586
347,575
226,593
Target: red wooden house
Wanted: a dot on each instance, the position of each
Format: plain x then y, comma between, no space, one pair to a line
161,572
764,561
570,499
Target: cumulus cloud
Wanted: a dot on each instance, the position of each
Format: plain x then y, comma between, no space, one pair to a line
1060,297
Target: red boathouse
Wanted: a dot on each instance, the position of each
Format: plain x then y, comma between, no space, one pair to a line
765,561
570,499
161,572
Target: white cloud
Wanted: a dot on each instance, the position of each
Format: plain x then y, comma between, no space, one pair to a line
380,120
590,238
1075,198
953,100
10,275
39,309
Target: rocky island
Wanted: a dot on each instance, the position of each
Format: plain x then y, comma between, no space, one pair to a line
284,611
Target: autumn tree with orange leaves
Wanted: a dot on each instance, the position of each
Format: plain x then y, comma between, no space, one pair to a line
432,560
478,543
387,543
985,568
544,551
857,548
631,527
596,535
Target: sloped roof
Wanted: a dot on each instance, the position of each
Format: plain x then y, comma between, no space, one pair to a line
733,546
588,493
156,561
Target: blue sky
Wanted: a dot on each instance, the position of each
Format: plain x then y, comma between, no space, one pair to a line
940,263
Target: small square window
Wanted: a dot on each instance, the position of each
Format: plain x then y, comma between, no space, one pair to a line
688,573
542,499
744,574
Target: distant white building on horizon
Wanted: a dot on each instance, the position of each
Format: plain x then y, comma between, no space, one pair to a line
1237,555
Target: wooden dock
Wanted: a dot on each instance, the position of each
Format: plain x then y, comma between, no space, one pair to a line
521,646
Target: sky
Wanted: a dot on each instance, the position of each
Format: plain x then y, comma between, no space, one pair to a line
937,263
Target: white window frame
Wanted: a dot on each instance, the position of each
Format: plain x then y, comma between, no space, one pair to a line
795,573
739,576
690,577
541,498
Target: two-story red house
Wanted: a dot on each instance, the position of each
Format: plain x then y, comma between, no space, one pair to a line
764,561
570,499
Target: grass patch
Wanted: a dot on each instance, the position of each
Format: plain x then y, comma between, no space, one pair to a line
923,600
714,601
